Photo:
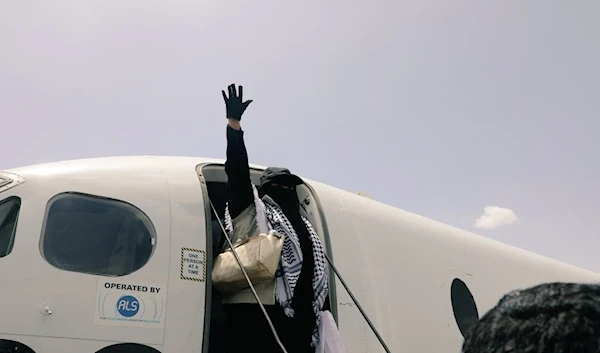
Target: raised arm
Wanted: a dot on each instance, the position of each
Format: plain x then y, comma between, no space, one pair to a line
239,185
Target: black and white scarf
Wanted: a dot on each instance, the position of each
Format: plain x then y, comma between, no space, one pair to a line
290,263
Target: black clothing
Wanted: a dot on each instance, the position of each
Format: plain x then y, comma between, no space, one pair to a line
287,199
248,330
303,293
239,185
246,322
234,104
281,175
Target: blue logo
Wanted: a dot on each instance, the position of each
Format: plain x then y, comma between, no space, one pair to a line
128,306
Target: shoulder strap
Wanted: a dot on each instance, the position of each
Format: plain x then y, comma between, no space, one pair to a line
261,217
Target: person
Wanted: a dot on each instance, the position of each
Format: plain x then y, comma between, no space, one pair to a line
299,292
549,318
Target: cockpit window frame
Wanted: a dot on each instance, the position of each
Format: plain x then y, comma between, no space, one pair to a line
4,180
9,180
13,234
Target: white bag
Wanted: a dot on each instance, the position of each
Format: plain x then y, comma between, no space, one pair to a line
259,255
330,339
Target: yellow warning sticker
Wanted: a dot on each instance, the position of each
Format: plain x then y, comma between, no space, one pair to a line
193,264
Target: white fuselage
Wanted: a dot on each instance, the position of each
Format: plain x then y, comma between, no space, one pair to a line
142,237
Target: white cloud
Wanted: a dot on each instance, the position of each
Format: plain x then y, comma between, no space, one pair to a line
494,217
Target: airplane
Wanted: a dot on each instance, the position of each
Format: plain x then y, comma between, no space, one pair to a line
114,255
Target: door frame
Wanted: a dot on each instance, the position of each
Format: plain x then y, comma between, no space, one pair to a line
209,247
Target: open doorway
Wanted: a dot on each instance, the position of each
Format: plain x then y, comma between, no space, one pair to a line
214,180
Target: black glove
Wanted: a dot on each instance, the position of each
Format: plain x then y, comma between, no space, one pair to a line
235,106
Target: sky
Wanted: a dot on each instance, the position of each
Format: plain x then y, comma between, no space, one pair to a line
479,114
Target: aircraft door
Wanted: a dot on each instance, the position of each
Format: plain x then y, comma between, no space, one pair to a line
188,264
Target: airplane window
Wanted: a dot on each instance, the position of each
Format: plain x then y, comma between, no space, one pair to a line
14,346
93,235
127,348
463,304
9,212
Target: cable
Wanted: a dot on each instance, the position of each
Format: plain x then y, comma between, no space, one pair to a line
358,305
385,347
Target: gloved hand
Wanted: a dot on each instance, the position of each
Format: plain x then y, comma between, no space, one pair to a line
234,104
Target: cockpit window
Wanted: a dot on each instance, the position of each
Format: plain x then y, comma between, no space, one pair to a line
95,235
4,181
9,213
